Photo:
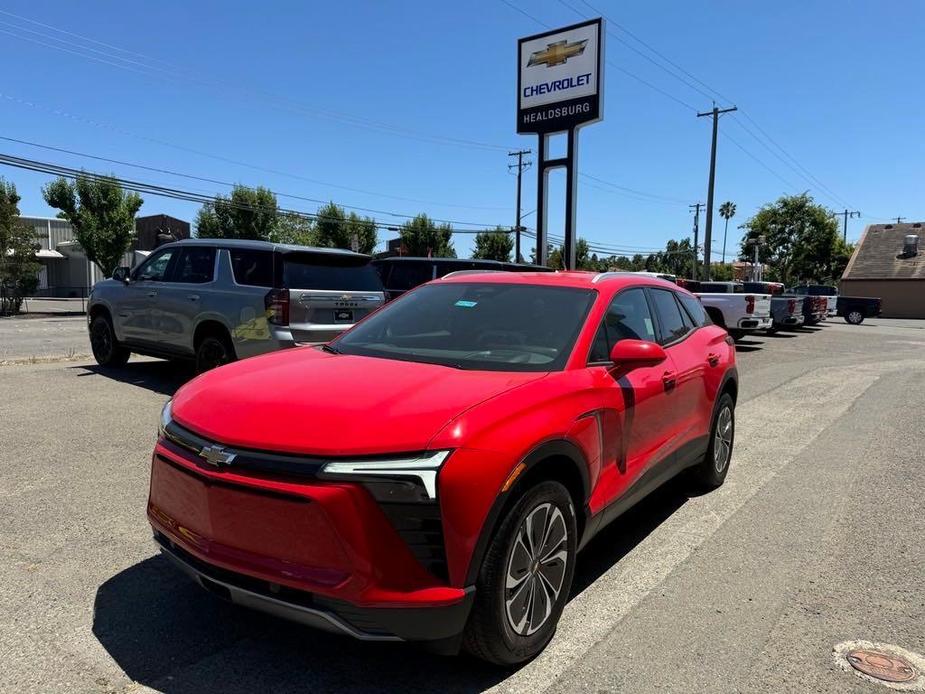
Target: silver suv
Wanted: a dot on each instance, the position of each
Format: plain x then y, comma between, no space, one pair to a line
217,300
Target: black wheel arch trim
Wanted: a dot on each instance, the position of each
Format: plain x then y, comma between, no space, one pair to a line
553,448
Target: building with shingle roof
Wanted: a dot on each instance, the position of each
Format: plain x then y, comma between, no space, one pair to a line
889,262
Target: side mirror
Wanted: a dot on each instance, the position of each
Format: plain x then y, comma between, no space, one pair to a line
122,274
632,354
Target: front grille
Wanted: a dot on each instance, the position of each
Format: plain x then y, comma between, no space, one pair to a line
419,525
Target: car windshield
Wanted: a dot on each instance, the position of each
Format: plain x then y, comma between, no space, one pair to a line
330,271
496,327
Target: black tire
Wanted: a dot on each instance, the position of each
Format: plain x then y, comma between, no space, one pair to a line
711,472
736,335
491,634
107,350
213,351
854,317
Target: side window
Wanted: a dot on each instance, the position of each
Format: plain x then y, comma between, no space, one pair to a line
694,309
669,315
154,269
253,268
196,265
627,318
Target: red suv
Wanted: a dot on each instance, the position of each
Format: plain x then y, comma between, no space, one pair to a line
431,474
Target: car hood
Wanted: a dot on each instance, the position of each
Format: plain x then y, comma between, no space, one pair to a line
308,401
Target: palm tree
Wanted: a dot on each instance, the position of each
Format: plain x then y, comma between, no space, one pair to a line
727,211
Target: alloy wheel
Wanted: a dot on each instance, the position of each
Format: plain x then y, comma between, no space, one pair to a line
722,440
536,569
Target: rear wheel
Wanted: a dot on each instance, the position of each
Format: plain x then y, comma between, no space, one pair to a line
855,317
710,473
212,351
106,348
525,578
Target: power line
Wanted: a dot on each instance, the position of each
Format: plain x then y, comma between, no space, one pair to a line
633,191
180,194
128,133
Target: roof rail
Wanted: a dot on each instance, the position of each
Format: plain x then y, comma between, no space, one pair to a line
460,273
599,277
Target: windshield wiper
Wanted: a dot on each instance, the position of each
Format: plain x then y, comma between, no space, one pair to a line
329,348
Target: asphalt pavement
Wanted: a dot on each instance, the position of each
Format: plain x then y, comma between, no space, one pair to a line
815,539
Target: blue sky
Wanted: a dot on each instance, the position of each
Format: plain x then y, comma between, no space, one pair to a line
409,106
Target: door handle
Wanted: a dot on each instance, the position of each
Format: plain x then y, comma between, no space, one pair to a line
152,293
669,380
713,359
192,297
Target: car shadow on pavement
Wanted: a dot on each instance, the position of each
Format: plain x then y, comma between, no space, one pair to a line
744,346
159,376
167,633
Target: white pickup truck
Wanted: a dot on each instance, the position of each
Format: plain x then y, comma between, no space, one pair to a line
731,307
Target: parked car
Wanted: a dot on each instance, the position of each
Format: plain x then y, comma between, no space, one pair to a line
854,309
401,273
431,474
786,312
217,300
731,307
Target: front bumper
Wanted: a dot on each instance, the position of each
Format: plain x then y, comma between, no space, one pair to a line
364,624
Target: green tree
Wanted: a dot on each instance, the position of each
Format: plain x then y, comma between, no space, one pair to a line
249,213
18,266
727,211
336,229
798,238
496,244
102,214
295,229
421,236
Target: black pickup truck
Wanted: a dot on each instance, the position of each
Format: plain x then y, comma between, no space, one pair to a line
854,309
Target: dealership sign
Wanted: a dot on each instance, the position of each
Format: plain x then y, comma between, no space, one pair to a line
559,80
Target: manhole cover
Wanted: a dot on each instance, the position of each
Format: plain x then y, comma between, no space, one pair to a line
881,665
885,664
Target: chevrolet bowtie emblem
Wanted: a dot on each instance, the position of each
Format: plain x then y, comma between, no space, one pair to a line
216,456
557,53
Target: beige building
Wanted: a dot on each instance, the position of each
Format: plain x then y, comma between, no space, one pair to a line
889,262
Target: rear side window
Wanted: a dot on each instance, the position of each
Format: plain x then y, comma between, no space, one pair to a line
253,268
694,309
196,265
627,318
407,275
669,315
337,272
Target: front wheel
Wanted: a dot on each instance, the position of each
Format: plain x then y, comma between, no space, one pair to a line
525,578
106,348
212,352
855,317
711,472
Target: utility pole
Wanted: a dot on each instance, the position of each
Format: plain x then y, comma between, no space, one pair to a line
521,166
900,220
696,208
848,215
708,233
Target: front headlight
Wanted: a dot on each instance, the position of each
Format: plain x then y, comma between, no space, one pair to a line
165,419
423,468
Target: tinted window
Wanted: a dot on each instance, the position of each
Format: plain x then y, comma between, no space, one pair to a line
196,265
155,268
408,275
669,316
339,272
721,288
253,268
497,327
627,318
694,309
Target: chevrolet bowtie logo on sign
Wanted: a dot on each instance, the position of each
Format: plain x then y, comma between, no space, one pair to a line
557,53
559,78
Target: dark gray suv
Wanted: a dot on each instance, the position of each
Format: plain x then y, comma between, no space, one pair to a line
217,300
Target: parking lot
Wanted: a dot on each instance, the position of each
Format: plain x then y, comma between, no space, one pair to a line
815,539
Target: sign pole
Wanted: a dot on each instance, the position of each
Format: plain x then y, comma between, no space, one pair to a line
569,259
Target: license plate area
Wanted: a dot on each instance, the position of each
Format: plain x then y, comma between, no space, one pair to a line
343,315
